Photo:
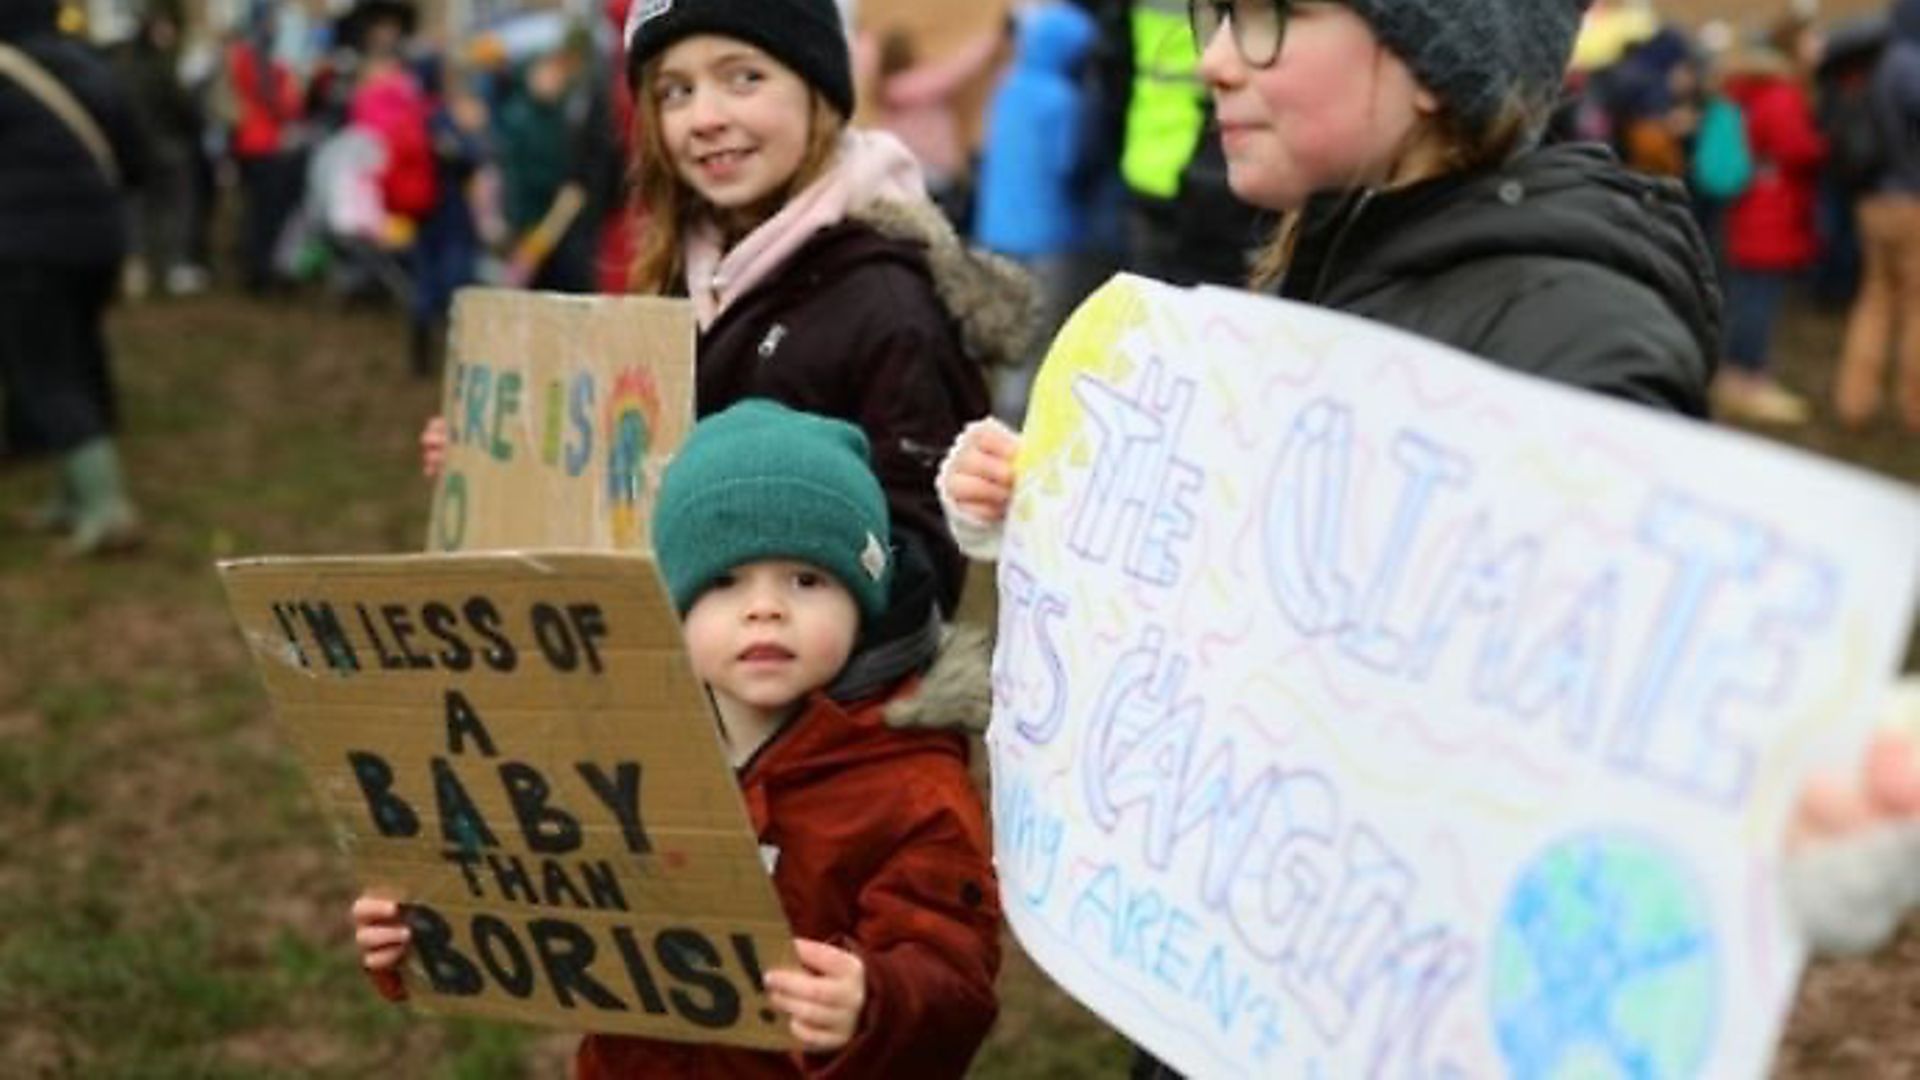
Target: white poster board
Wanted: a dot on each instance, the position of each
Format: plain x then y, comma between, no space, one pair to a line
1364,710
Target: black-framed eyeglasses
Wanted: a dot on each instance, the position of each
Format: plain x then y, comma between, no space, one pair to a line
1258,26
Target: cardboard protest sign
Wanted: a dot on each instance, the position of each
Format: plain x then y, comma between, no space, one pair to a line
1362,709
561,412
516,748
937,29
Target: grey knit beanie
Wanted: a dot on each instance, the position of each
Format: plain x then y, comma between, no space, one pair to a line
1475,54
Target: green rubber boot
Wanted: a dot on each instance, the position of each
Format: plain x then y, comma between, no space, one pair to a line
103,519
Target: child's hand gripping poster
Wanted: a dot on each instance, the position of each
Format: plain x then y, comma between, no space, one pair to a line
560,413
515,747
1361,709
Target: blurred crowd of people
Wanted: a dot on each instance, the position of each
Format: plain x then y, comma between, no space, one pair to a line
367,160
375,161
1798,142
1793,138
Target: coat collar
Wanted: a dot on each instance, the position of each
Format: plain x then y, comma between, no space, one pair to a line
828,736
1569,202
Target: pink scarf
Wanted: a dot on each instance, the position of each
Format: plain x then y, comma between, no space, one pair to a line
872,166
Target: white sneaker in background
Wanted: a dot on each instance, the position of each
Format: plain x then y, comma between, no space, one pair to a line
1758,399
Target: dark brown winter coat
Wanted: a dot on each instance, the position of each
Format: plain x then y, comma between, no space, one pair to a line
884,321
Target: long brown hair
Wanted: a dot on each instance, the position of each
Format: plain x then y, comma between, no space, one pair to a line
1448,146
665,208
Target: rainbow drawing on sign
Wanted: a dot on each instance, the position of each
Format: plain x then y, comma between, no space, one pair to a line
633,414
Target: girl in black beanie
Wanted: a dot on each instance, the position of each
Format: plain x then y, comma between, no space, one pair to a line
820,273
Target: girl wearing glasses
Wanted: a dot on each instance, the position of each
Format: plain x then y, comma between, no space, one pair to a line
1399,142
1399,139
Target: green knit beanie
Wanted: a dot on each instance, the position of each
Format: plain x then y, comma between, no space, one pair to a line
762,481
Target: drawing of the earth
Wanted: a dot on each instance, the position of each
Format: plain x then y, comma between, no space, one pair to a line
1604,964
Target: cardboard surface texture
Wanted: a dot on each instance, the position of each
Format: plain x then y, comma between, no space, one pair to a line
937,30
561,412
515,746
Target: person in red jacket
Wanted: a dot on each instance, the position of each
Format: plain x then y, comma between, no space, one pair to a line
1770,228
261,100
770,533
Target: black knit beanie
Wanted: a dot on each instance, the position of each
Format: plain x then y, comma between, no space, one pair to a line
1476,54
805,35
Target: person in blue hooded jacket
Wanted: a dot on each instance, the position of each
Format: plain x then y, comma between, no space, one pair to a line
1036,189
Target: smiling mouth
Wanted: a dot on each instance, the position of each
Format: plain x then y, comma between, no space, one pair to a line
723,158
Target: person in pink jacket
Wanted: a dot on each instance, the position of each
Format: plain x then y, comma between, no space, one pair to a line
389,103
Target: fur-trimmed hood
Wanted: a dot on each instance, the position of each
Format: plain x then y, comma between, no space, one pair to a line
992,300
957,691
853,325
916,717
875,182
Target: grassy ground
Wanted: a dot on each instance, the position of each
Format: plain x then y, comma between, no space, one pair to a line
169,906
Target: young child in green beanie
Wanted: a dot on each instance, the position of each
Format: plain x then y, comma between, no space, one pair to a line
770,533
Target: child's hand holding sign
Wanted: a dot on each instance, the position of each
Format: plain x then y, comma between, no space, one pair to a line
825,1000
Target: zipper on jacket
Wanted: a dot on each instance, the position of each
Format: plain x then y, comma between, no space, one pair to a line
770,343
